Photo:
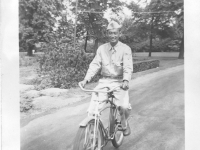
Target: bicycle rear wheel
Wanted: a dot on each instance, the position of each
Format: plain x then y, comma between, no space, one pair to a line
85,137
114,122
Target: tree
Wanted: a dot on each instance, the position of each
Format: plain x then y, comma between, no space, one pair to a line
134,29
133,32
179,28
175,17
37,21
90,18
159,17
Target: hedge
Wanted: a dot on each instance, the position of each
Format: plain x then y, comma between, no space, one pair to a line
145,65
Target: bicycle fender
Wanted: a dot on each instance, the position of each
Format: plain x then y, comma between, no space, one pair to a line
86,120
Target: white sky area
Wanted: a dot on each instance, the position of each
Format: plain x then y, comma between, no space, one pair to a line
126,13
142,3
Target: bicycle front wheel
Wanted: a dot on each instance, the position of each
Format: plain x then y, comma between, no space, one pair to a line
88,138
114,123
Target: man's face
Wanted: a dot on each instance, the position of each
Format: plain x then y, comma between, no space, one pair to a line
113,35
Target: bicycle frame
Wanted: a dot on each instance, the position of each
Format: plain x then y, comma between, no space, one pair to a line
97,120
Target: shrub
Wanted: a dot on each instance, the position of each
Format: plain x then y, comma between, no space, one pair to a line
25,106
89,48
161,45
25,60
157,45
63,67
174,45
145,65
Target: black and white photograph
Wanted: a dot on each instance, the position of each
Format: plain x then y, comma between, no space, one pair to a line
99,75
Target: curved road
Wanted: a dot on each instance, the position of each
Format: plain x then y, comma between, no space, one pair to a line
157,101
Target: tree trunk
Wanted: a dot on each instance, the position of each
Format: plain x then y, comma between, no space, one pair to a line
96,45
151,30
30,48
150,48
181,51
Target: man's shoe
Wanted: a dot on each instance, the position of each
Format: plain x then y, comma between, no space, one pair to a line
127,131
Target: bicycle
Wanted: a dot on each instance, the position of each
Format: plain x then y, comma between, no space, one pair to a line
92,135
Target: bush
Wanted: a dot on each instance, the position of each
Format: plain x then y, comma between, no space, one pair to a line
25,60
157,45
174,45
89,48
161,45
145,65
63,67
25,106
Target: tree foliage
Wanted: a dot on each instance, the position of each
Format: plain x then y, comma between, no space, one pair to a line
39,20
159,19
91,19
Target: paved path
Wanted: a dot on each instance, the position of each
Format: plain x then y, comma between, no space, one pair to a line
157,100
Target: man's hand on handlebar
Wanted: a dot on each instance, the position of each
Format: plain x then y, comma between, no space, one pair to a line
125,85
83,83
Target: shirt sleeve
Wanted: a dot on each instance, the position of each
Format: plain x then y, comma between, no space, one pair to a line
128,64
94,66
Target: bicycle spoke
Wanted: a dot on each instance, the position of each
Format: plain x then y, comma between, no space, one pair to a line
91,141
90,136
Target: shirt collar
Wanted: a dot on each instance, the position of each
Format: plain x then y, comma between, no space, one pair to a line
109,45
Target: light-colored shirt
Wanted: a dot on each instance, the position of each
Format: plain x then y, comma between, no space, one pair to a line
114,62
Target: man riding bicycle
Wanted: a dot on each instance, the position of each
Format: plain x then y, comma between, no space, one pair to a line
114,59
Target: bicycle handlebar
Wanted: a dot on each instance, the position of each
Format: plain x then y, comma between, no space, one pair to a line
101,91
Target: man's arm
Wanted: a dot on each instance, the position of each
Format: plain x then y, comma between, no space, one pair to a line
94,67
127,68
